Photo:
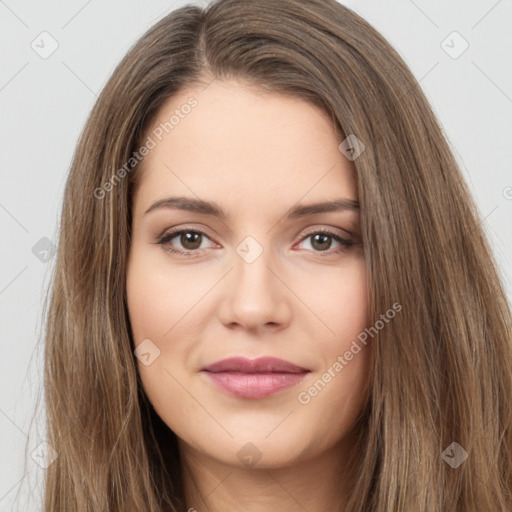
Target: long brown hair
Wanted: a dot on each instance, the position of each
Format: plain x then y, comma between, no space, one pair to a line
441,371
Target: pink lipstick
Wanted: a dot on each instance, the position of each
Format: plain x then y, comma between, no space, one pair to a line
256,378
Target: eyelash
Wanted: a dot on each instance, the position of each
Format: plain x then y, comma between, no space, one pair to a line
345,244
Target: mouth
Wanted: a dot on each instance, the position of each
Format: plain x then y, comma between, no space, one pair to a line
258,378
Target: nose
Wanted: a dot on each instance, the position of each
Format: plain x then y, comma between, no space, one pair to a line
254,296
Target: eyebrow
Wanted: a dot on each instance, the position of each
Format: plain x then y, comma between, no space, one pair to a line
211,208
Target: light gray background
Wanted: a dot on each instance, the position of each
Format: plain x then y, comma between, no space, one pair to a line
44,104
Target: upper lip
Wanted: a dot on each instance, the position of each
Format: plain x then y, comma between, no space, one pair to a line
260,365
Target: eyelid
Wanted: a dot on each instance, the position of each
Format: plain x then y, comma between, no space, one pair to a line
321,227
189,227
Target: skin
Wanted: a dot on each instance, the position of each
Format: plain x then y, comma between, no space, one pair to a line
256,154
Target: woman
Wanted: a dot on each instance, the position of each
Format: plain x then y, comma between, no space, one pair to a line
272,288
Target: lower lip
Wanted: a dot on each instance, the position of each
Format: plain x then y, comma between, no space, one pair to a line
254,385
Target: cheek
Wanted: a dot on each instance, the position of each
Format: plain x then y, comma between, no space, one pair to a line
341,303
340,387
157,298
159,306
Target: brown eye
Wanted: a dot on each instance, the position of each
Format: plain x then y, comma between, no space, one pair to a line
190,240
321,241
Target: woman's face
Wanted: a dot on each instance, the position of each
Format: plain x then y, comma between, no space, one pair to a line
261,280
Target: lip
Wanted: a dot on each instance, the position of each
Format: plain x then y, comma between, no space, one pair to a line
254,378
260,365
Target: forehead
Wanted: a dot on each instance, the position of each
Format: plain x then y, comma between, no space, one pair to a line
239,142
